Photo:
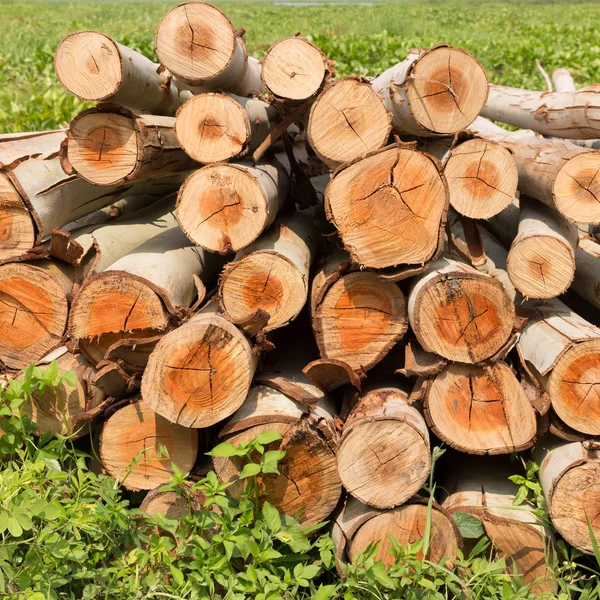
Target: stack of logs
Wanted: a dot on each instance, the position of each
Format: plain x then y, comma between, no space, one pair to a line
224,246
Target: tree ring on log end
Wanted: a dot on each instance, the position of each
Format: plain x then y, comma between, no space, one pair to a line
576,188
17,229
88,64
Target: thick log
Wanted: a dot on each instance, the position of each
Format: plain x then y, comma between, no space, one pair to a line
482,176
564,352
109,146
587,272
357,317
218,127
197,43
459,312
570,478
384,456
389,207
17,147
359,525
484,491
33,309
480,409
556,172
225,207
200,373
93,67
563,81
308,480
433,92
272,274
137,432
571,114
347,121
294,70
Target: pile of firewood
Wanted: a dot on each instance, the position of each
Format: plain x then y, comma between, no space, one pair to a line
225,246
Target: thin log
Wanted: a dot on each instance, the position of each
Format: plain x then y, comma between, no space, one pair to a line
216,127
389,207
556,172
197,43
563,80
225,207
171,504
384,455
308,481
109,145
347,121
433,92
563,351
131,445
200,373
94,67
587,273
272,274
459,312
570,478
480,409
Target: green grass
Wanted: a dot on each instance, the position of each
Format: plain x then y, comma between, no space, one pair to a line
505,37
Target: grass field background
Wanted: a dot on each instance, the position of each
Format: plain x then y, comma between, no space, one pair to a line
506,37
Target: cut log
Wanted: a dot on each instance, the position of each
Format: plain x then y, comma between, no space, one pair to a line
480,409
197,43
99,246
482,176
433,92
347,121
484,491
359,525
563,81
17,147
109,145
272,274
587,272
357,317
570,478
93,67
133,443
171,504
329,374
225,207
294,70
541,260
459,312
384,456
218,127
389,207
140,294
556,172
200,373
571,114
34,304
308,480
564,351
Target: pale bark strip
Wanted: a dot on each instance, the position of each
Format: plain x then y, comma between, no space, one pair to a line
587,273
92,66
433,92
556,172
109,145
563,81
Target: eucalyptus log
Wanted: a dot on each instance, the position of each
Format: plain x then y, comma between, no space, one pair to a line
225,207
197,43
384,455
133,443
570,478
199,373
564,352
460,313
433,92
171,504
480,409
214,127
563,81
347,121
271,274
93,67
356,317
109,145
308,480
17,147
556,172
389,207
587,273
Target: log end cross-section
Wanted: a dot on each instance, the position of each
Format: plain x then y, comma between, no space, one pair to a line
17,228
